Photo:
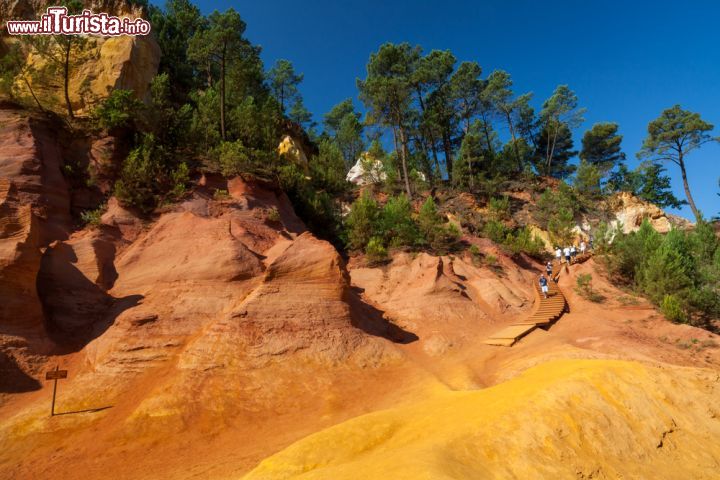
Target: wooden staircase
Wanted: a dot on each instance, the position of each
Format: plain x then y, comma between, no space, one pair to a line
549,310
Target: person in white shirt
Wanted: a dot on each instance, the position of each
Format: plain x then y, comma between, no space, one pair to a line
582,247
558,254
566,251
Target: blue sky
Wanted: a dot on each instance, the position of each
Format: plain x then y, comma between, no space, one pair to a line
626,61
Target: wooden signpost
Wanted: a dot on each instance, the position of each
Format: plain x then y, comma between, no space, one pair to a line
55,375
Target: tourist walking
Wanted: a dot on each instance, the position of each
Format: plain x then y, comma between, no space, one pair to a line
544,285
548,269
582,247
566,251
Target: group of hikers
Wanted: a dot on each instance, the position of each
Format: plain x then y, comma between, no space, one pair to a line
569,253
565,255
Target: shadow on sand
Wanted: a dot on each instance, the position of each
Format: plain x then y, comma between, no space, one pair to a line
87,410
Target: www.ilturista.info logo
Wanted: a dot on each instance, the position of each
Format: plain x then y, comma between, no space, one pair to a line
56,21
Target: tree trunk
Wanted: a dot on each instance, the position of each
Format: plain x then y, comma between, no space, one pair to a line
66,72
222,94
551,149
487,135
512,134
435,156
33,93
689,197
403,157
426,163
448,155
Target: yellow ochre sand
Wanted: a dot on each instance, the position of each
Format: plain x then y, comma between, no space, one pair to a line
562,419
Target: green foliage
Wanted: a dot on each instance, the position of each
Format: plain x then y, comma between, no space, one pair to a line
375,250
342,122
583,285
681,265
328,167
672,309
299,114
433,229
648,182
555,211
499,208
396,226
173,27
672,136
521,240
561,227
515,241
601,147
587,181
179,178
495,231
396,223
221,194
273,215
284,83
554,151
233,158
92,218
218,48
313,204
362,221
118,110
387,93
141,177
560,113
11,64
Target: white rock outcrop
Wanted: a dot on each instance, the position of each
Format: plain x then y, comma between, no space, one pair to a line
367,170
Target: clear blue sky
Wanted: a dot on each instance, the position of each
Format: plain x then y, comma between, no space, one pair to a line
626,60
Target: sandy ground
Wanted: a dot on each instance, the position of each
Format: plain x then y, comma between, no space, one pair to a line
291,401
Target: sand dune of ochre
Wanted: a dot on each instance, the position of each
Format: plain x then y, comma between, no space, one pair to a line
562,419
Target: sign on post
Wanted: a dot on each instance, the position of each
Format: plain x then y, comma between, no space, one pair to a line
55,375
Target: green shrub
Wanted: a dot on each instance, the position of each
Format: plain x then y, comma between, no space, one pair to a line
328,167
475,254
234,158
317,208
142,175
119,109
433,229
495,231
583,285
273,215
499,208
375,250
91,218
179,179
221,194
362,221
678,272
396,223
523,241
672,309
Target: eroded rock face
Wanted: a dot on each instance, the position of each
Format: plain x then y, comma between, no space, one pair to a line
367,170
291,150
124,62
630,211
442,300
35,207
